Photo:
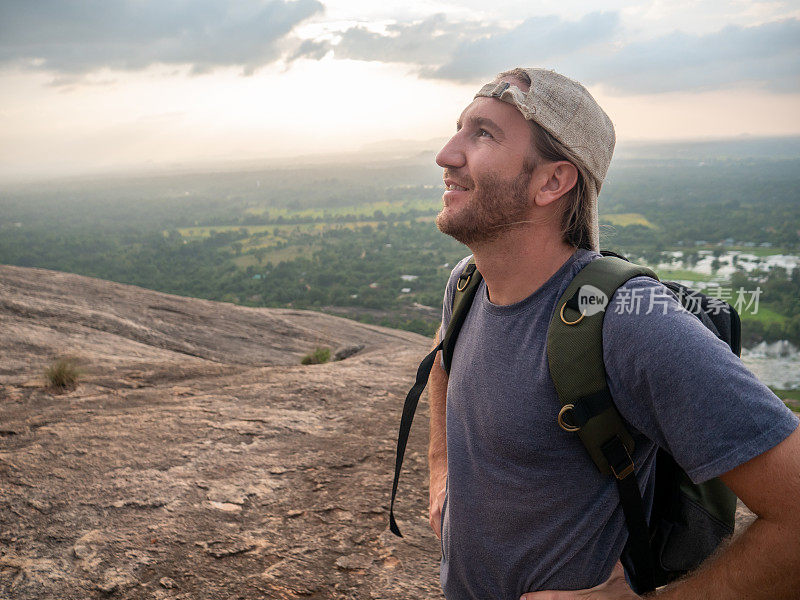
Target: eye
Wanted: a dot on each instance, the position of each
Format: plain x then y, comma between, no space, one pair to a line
484,133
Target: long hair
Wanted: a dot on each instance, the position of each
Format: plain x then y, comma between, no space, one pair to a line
577,220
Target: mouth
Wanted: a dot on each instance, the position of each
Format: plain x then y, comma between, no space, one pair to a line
452,186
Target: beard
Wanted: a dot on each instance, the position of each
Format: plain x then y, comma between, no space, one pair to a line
496,206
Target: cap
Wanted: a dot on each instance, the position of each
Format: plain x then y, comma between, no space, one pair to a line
568,112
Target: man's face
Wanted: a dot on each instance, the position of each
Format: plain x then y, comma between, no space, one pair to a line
488,165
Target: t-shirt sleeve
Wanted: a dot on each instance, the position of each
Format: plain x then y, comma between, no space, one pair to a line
682,387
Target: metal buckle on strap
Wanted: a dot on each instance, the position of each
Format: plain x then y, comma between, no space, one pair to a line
562,422
625,472
463,280
564,320
618,457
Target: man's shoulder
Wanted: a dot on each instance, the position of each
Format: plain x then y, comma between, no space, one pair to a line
644,304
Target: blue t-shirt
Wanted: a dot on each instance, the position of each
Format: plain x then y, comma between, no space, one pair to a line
526,509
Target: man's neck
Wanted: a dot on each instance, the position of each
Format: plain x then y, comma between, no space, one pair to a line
518,264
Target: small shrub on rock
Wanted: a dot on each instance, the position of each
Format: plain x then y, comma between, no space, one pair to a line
318,356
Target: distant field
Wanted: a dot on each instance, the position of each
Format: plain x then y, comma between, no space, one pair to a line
625,219
682,274
275,256
765,315
790,397
754,250
270,232
279,243
203,232
360,210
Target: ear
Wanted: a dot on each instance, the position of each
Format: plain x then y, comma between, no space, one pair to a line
555,180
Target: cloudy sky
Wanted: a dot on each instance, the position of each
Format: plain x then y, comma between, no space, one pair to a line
93,85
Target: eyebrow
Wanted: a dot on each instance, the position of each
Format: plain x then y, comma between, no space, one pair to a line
482,122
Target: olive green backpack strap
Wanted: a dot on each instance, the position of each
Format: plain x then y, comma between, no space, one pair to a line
575,357
464,294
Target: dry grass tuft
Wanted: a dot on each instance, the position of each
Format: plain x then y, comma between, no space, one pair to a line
63,374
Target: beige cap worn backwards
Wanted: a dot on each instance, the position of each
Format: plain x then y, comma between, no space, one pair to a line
567,111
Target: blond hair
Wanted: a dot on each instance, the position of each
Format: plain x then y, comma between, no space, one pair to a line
577,217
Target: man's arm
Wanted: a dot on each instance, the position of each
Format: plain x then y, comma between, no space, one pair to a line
762,563
437,448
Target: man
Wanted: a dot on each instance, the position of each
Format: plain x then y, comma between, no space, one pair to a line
518,503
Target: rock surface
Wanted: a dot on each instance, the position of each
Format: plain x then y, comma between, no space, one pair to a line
197,459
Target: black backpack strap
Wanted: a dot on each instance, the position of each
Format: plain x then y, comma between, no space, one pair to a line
409,408
637,556
466,286
575,358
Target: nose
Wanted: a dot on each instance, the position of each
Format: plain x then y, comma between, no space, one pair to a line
452,154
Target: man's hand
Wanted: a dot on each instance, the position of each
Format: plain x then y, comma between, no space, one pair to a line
615,588
436,500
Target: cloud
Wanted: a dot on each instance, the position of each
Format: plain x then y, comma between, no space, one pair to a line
537,41
469,51
311,49
75,37
426,42
768,54
591,49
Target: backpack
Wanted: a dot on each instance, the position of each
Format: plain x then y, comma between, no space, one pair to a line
688,521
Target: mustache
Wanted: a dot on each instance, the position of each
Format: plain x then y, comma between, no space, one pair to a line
460,178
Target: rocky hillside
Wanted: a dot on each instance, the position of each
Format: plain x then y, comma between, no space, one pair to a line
197,458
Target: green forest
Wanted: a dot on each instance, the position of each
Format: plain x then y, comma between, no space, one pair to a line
360,240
